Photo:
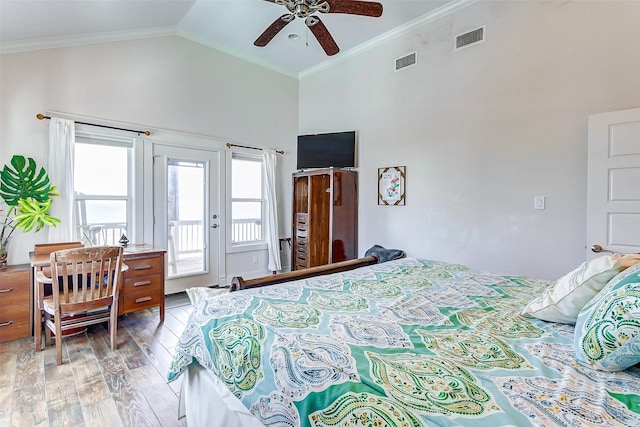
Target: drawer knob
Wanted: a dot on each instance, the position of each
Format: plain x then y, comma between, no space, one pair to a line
143,299
142,283
9,323
6,291
142,267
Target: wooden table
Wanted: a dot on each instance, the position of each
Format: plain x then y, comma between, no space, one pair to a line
142,284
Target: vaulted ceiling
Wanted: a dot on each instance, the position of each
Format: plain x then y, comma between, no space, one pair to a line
227,25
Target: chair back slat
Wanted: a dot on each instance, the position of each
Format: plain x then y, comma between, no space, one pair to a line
109,278
65,282
93,278
73,296
84,274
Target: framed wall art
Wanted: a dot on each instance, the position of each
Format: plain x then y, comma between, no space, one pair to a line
391,186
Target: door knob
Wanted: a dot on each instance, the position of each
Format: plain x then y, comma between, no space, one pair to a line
598,249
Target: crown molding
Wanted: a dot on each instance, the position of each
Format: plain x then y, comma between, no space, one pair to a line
17,46
84,39
435,14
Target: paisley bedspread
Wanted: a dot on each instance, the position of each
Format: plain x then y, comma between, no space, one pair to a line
404,343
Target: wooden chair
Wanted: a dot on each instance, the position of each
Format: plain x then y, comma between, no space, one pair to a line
85,284
43,251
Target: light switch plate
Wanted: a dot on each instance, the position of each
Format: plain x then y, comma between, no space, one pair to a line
539,202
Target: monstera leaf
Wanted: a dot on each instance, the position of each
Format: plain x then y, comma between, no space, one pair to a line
25,188
24,181
32,213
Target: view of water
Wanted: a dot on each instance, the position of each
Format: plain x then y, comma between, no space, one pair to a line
105,211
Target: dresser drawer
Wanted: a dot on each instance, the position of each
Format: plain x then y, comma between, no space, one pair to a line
141,298
150,282
142,266
14,322
12,293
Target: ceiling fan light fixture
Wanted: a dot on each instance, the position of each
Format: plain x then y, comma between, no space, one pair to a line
302,10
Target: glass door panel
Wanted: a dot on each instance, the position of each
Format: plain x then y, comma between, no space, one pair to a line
186,214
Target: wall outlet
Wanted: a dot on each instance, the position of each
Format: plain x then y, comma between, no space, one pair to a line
539,202
255,259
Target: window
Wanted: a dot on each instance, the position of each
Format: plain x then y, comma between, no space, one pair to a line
247,203
102,189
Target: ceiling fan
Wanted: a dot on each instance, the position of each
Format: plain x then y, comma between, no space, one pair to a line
307,8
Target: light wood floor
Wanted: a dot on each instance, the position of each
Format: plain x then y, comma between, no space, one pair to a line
96,386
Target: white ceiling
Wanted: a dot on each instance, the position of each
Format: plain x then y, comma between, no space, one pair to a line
227,25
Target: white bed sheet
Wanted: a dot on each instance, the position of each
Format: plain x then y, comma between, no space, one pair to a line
207,401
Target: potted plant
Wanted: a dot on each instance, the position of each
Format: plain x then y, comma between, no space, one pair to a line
26,191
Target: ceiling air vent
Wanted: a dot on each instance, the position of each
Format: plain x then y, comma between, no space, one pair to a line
406,61
469,38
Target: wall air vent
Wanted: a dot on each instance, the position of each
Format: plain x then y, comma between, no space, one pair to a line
406,61
469,38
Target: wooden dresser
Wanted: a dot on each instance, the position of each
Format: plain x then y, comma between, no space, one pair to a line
143,285
15,303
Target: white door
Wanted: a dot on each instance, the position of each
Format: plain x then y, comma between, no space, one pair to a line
613,198
187,215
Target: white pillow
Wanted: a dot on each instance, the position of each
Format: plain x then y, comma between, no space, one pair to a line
562,301
198,294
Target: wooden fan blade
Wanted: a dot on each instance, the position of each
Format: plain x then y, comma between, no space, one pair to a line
322,34
273,29
354,7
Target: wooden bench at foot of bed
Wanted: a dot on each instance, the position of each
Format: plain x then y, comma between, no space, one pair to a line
238,283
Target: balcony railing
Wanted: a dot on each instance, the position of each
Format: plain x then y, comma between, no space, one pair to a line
103,234
246,230
187,236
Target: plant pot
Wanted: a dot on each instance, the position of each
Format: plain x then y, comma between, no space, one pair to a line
4,254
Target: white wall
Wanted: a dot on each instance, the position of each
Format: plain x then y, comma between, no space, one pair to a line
168,83
485,129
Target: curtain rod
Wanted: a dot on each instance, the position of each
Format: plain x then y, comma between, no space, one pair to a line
229,145
139,132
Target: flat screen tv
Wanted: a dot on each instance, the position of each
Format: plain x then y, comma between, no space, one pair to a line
324,150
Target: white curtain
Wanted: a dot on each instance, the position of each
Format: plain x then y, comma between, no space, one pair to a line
269,172
62,137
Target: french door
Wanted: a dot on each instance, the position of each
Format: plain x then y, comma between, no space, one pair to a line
186,212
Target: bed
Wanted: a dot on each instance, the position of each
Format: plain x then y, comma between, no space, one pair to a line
409,342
